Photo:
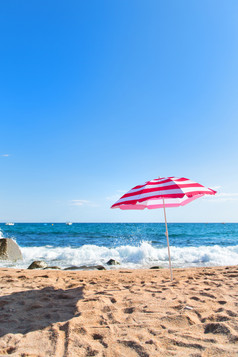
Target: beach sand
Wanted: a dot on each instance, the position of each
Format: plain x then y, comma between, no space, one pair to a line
121,313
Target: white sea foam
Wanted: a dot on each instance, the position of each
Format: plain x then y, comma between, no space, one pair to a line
142,256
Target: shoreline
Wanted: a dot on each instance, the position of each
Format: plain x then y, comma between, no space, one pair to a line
115,267
111,268
122,312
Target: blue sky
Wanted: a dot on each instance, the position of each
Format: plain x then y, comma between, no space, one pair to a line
99,96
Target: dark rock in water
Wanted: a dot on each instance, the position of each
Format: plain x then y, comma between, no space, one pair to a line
100,267
85,267
73,267
53,267
156,267
112,262
38,264
9,250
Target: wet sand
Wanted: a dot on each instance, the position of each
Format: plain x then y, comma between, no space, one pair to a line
119,313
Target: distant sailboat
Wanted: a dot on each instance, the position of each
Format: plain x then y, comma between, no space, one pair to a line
69,223
9,224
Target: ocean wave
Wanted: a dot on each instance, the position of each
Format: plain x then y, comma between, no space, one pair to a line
142,256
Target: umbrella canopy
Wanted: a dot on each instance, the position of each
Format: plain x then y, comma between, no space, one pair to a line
171,191
160,193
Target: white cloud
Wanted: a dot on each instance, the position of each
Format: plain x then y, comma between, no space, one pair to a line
215,188
5,155
82,203
231,195
227,197
223,196
115,197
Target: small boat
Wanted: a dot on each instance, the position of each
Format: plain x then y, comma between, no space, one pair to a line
69,223
9,224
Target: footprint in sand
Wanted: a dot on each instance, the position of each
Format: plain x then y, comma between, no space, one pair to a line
106,308
195,298
208,295
217,328
99,338
149,342
7,351
91,352
219,310
221,318
139,349
231,313
233,275
81,330
129,310
222,302
92,282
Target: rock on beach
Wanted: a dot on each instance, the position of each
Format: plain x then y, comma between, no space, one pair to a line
113,262
9,250
38,264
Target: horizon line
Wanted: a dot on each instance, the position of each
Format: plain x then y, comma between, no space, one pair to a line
74,222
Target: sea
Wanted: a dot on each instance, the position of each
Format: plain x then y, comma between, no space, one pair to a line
133,245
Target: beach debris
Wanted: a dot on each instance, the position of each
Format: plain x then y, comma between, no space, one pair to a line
85,267
156,267
113,262
38,264
188,308
9,250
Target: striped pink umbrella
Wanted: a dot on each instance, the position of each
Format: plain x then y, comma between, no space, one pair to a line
160,193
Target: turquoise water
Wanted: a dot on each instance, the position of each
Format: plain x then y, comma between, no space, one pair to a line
133,244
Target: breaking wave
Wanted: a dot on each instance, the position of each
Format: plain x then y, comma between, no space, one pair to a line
141,256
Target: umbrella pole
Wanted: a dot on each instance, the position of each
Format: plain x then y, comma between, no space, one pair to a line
167,235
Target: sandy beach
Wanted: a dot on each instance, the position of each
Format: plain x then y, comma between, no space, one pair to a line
119,313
